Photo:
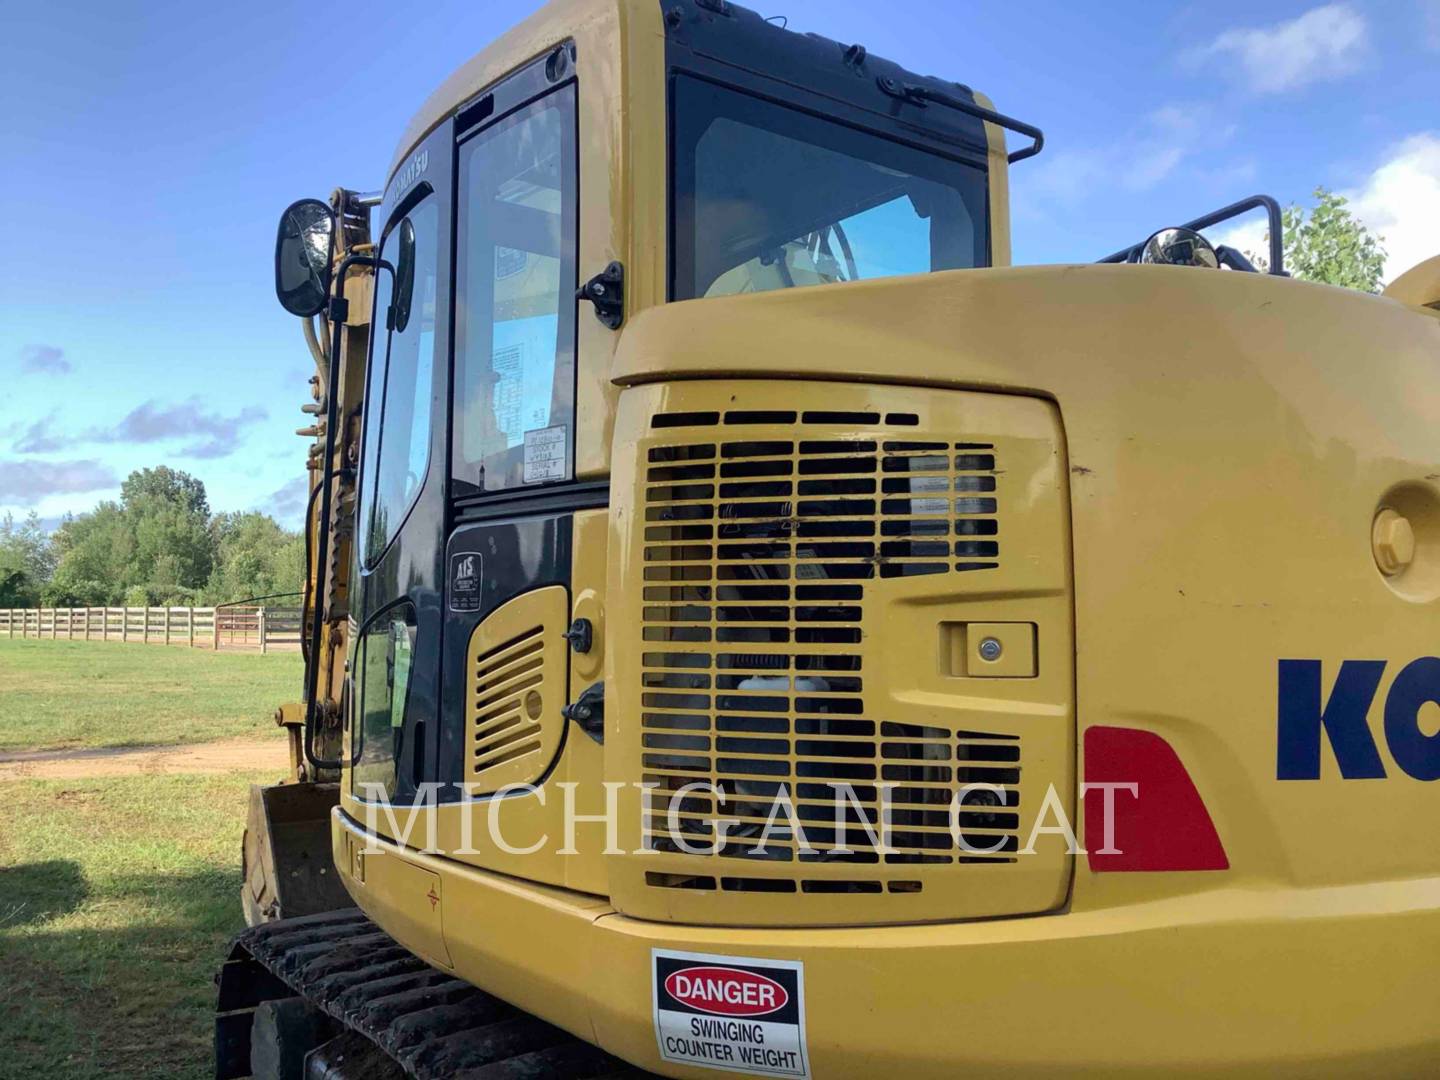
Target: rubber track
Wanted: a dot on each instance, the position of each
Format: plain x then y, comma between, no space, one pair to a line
435,1026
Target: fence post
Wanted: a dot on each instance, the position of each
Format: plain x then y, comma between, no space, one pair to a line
215,629
167,624
190,624
260,615
10,620
125,623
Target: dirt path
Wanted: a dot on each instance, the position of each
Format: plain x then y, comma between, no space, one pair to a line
226,755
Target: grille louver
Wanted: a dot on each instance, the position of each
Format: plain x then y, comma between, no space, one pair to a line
758,554
516,664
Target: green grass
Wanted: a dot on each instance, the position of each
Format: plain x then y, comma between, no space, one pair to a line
117,899
61,694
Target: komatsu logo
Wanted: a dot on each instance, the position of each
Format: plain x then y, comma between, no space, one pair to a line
416,169
1412,734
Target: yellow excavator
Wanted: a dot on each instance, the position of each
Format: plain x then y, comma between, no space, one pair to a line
752,626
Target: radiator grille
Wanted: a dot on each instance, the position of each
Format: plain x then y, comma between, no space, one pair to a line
760,558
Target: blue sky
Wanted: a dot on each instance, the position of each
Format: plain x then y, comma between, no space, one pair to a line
148,150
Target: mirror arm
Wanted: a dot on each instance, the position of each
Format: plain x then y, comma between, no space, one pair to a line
1254,202
339,310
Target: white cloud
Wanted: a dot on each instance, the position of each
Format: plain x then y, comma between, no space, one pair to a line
1397,202
1246,237
1324,43
1400,201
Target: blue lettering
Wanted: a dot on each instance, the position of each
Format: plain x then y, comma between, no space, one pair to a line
1343,717
1414,751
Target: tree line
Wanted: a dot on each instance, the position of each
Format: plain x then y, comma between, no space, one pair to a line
159,544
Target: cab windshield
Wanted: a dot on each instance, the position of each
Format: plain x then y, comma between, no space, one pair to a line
815,202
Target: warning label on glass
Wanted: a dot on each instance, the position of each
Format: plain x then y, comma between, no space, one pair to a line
730,1012
545,454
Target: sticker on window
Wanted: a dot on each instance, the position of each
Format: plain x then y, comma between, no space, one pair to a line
545,454
733,1013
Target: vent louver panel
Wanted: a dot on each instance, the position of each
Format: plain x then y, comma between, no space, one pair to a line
517,677
758,554
791,599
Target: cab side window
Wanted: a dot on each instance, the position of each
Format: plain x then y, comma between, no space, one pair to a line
397,396
515,305
381,688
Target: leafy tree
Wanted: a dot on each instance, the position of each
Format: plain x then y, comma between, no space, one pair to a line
254,557
165,486
27,560
170,518
93,551
1329,245
158,545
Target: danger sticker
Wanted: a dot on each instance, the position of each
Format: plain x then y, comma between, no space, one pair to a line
545,454
730,1012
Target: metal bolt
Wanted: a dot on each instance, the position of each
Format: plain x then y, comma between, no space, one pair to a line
1393,538
990,649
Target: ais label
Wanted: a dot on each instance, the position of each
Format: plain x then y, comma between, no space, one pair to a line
730,1012
466,574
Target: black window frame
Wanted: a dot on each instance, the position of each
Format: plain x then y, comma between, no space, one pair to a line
515,92
365,560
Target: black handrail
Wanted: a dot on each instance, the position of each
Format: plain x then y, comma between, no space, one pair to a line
1254,202
920,95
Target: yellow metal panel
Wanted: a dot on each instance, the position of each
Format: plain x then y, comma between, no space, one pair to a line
1230,439
516,686
999,180
1420,285
404,898
787,555
1281,982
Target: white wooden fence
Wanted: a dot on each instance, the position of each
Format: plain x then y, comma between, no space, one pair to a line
230,627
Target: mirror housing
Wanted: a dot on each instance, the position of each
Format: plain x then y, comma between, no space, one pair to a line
1179,247
303,245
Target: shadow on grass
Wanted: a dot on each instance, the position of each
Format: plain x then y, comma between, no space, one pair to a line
124,989
36,892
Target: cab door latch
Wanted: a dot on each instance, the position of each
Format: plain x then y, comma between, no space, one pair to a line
606,290
588,711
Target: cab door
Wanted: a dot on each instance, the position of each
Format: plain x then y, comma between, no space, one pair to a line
399,518
513,493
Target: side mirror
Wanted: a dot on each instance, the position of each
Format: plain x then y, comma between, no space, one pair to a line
404,278
1179,247
302,257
